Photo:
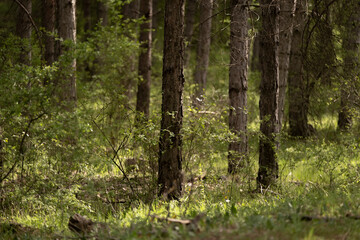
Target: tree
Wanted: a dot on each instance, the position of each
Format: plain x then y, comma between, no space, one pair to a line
287,13
103,12
351,48
67,32
48,21
238,149
143,93
298,92
269,90
170,155
190,13
23,29
203,50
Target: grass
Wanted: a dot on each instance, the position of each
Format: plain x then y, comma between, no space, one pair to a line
319,179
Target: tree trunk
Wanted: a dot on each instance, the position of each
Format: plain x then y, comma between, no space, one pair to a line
143,93
67,31
154,17
203,51
238,149
23,30
287,13
86,5
49,26
269,92
255,61
170,156
298,100
103,13
190,13
351,44
131,10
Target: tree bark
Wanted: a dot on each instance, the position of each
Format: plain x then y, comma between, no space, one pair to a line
86,5
238,84
351,46
143,93
103,13
170,155
287,13
190,13
255,61
269,92
67,32
131,10
23,30
49,26
298,99
203,51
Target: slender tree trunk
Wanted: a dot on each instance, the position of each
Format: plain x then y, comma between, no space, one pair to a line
143,93
298,100
23,30
86,5
269,92
49,25
255,61
170,156
154,17
287,13
103,13
203,51
239,48
131,10
67,32
351,47
190,13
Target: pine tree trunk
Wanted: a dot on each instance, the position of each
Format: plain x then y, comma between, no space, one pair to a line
269,92
143,93
238,84
49,26
67,31
86,5
23,30
255,61
287,13
190,13
103,13
170,155
351,47
298,100
203,51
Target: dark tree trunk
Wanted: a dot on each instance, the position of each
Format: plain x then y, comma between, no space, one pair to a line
131,10
269,90
298,91
170,156
238,85
203,51
190,13
143,93
23,30
154,17
86,5
67,31
103,13
287,13
351,48
49,26
255,61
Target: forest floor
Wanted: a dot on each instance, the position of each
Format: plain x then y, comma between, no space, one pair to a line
317,197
